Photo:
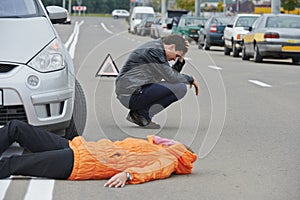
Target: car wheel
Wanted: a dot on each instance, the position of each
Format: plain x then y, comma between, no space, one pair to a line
296,61
235,51
257,56
226,50
205,45
244,55
116,17
79,116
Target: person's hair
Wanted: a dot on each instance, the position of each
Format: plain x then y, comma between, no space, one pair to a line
180,44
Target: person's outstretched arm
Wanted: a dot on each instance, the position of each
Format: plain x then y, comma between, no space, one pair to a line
161,168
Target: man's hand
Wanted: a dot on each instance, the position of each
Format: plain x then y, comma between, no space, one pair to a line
117,180
195,84
187,45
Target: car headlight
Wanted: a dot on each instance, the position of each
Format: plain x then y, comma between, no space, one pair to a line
49,59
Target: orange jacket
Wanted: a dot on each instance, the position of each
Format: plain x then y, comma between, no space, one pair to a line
143,159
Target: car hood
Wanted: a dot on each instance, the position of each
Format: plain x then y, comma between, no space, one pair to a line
22,38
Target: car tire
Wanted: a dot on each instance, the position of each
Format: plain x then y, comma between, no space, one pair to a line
79,116
257,57
226,50
205,45
296,61
235,52
116,17
244,55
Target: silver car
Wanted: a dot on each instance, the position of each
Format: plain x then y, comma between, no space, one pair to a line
37,80
273,36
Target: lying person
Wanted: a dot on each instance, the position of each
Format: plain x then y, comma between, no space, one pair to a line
130,161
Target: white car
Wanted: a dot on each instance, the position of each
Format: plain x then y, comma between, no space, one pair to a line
120,13
234,32
37,78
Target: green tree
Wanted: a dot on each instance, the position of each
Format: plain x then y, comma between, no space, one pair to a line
220,6
94,6
186,4
289,5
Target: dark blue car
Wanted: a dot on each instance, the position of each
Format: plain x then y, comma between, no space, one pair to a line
211,34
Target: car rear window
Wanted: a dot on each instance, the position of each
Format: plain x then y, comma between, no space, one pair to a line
283,22
245,21
143,15
17,8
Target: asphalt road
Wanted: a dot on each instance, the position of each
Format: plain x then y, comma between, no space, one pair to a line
244,124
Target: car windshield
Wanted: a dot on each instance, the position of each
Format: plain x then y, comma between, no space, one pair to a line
245,21
283,22
222,20
17,8
194,22
143,15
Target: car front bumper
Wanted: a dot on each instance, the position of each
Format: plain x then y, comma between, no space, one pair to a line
48,103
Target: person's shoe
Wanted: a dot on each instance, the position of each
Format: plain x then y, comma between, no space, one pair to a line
149,124
152,125
137,118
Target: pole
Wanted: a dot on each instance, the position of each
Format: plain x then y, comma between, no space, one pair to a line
70,5
275,6
197,8
163,7
64,3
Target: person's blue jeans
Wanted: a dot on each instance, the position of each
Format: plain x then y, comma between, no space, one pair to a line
153,98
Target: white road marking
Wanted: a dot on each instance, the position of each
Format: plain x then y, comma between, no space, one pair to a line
4,183
106,29
214,67
259,83
67,44
40,189
73,45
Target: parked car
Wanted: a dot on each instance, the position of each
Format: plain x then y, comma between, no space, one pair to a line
273,36
68,19
120,13
137,15
143,28
234,32
211,34
37,77
161,27
189,27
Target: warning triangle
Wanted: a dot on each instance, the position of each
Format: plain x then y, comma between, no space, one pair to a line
108,67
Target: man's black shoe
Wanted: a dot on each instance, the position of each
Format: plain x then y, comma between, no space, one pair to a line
138,119
142,121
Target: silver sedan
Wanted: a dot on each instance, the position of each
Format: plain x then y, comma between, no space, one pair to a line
273,36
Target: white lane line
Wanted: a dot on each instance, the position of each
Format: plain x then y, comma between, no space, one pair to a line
67,44
73,45
262,84
40,189
4,183
214,67
106,29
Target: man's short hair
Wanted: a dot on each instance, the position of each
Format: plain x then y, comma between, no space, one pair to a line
180,42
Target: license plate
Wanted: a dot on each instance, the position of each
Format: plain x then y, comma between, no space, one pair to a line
291,48
1,98
293,41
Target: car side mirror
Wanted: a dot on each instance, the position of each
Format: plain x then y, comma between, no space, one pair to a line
57,14
230,25
169,26
248,28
